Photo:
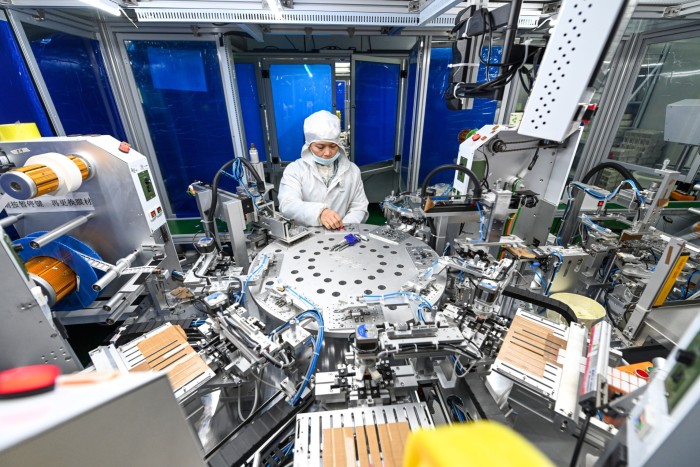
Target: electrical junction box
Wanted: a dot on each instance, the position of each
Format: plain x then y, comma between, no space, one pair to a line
683,122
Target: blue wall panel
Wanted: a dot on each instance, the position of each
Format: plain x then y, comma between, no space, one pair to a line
19,101
250,107
376,105
189,127
442,126
74,73
297,92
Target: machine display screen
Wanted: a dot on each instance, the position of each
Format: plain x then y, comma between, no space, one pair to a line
147,185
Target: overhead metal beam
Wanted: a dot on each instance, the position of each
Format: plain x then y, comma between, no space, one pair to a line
254,30
435,9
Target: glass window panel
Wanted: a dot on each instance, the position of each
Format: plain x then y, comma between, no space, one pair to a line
19,101
376,105
73,70
297,92
250,106
188,123
669,72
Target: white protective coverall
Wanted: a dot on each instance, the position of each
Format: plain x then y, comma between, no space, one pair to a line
303,194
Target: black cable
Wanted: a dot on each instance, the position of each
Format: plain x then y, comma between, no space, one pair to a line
209,222
579,441
622,170
534,159
459,168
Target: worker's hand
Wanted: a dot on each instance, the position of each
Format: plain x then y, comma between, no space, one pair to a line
330,219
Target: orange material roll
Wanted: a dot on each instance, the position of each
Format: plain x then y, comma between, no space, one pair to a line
35,180
84,169
54,277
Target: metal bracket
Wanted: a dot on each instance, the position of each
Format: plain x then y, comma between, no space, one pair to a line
671,11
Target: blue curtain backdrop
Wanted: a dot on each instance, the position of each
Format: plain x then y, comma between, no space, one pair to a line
250,106
297,92
19,101
442,126
186,115
376,105
75,76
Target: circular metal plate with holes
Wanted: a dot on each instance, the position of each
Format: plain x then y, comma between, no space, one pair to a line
335,282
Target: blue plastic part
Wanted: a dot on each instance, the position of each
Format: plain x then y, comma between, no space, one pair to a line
297,92
65,249
351,239
19,100
442,126
189,129
376,106
73,70
250,107
362,330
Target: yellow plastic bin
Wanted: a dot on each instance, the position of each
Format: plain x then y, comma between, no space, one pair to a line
19,132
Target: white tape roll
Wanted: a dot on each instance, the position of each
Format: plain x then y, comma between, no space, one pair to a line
69,177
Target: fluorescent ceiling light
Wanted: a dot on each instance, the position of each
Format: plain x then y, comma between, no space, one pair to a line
104,5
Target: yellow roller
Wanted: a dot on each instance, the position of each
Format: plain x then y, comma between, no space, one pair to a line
54,277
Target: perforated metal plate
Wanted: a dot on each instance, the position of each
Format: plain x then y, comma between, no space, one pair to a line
335,281
580,38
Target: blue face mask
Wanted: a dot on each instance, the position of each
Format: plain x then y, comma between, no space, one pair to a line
322,161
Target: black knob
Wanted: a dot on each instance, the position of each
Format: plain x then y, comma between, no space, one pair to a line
685,357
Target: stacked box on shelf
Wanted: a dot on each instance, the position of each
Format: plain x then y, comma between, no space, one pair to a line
649,144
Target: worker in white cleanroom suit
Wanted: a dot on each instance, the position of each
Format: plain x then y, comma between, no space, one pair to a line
323,187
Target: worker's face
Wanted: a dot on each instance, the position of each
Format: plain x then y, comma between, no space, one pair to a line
324,150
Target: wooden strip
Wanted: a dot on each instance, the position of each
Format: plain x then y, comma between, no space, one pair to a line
349,445
528,368
396,444
541,332
155,354
328,451
338,448
188,372
387,446
375,459
404,430
362,455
